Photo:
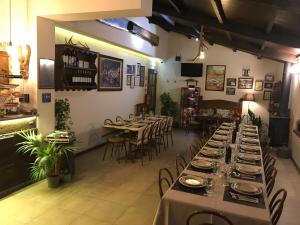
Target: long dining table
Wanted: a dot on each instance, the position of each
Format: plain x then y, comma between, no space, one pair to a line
179,202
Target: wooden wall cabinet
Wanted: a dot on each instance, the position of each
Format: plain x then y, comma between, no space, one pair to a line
75,68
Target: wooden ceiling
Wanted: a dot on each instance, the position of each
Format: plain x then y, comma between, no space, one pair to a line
265,28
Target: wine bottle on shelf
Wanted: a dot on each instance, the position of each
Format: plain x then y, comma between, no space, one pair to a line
228,154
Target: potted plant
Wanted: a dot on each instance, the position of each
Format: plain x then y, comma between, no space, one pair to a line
62,114
169,107
47,156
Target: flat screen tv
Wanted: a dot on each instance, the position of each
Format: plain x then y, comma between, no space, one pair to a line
191,69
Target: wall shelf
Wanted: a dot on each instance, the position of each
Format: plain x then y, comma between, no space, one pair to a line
75,68
7,76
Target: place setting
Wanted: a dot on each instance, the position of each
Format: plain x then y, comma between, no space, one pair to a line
215,144
250,135
251,159
222,132
219,137
211,152
244,193
194,184
250,141
202,165
249,149
246,172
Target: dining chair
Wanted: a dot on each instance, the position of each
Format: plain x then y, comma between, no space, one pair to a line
152,137
194,217
180,164
116,142
193,150
164,176
169,132
269,163
140,144
131,116
276,205
119,119
271,181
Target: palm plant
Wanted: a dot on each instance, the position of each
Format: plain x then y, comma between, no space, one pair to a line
47,155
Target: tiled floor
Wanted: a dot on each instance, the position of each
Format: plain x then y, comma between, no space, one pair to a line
108,193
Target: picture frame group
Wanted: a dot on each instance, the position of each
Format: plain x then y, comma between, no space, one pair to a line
215,77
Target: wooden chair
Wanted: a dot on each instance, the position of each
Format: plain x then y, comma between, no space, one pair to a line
131,116
140,144
180,164
162,178
271,181
169,130
116,142
210,213
152,137
193,150
276,205
269,163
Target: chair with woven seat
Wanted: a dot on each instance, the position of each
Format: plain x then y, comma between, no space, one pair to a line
194,217
180,164
164,176
140,144
270,180
276,205
117,142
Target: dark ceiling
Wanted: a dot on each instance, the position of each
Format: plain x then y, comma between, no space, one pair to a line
265,28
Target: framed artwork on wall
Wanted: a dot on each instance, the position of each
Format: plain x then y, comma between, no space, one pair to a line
268,85
259,85
128,81
269,77
215,77
231,82
132,82
110,76
130,70
230,91
245,83
142,76
46,74
267,95
138,69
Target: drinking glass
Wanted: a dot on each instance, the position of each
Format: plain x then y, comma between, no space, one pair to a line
210,187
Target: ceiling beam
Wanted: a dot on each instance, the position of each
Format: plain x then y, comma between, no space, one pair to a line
291,6
178,6
160,21
218,10
270,27
252,49
196,18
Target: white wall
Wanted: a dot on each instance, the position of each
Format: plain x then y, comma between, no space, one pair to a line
171,81
294,140
90,108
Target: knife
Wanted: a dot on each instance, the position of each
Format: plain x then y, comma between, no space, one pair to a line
244,198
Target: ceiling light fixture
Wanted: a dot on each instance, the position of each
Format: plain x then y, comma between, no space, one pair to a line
201,50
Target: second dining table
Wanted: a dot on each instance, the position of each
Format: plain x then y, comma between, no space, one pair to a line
224,184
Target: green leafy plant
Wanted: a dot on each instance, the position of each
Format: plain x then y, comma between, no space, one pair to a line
62,114
47,155
255,120
169,107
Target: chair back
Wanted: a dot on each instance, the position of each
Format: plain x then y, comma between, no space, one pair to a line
271,181
164,176
193,150
145,134
276,205
108,122
170,123
180,164
131,116
119,119
212,214
155,129
270,163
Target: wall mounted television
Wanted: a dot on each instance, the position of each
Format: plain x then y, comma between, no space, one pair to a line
191,69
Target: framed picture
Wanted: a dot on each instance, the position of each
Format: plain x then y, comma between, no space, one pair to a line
128,81
245,83
142,76
110,73
132,82
46,74
269,77
138,69
137,81
259,85
267,95
46,97
130,69
268,85
230,91
231,82
215,77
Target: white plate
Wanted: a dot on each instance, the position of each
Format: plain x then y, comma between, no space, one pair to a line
220,137
202,164
252,170
224,132
250,148
211,152
193,181
224,128
250,140
250,126
246,188
249,134
250,130
227,124
216,144
249,157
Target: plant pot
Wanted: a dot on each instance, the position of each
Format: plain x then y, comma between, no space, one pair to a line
53,181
